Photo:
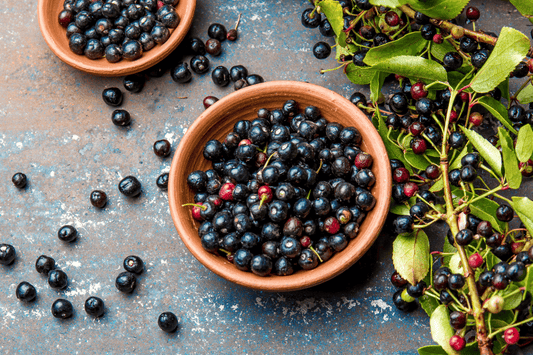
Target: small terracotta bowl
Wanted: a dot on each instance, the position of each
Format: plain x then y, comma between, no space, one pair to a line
55,37
217,121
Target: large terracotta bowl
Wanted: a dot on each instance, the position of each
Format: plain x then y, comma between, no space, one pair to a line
217,121
55,37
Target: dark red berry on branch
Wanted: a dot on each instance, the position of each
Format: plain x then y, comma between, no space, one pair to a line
472,13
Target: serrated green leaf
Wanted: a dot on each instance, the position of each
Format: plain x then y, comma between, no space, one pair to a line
399,209
525,7
441,9
504,88
413,67
360,75
393,151
526,95
431,350
376,84
429,304
388,3
437,186
333,11
410,44
523,207
441,330
489,152
511,47
510,162
410,255
524,143
498,110
349,49
439,50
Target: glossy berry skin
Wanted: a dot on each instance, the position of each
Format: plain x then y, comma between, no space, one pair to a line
213,47
457,342
464,237
121,118
418,210
485,278
472,13
456,281
19,180
26,292
516,113
133,264
130,186
420,18
475,260
400,304
417,290
308,260
220,76
94,306
452,61
500,281
400,175
516,271
321,50
181,73
455,177
162,181
199,64
261,265
98,198
392,19
162,148
67,234
457,320
418,145
112,96
398,103
472,159
468,45
504,213
511,336
126,282
521,70
57,279
209,101
479,58
134,83
356,98
432,172
44,264
428,31
457,140
62,309
217,31
418,91
168,322
410,189
7,254
403,224
397,280
238,72
468,173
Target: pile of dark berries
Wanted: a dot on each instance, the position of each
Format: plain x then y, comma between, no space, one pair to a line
287,189
117,29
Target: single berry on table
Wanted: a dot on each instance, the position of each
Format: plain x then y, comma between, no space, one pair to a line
62,309
321,50
126,282
121,118
162,148
26,292
112,96
94,306
213,47
162,181
130,186
134,83
44,264
134,264
67,234
217,31
167,322
19,180
57,279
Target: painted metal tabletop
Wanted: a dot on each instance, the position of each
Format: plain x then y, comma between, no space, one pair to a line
56,129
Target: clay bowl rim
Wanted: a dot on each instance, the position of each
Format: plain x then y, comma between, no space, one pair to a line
179,192
54,36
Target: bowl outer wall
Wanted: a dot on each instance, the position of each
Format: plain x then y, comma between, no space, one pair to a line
55,36
217,121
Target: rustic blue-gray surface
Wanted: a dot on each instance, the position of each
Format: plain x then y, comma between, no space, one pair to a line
55,128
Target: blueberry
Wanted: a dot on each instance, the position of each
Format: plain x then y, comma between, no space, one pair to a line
242,259
452,61
94,306
310,18
199,64
427,31
417,290
504,213
168,322
181,73
133,30
44,264
401,304
321,50
456,281
217,31
126,282
424,106
213,47
77,43
134,83
468,45
134,264
132,50
359,60
160,34
485,278
162,148
399,103
308,259
521,70
112,96
337,242
57,279
67,234
19,180
121,118
130,186
147,41
464,237
468,173
62,309
516,113
261,265
238,72
113,53
254,79
162,181
472,159
290,247
283,267
403,224
516,271
26,292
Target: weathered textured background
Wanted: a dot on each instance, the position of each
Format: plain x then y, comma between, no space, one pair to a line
55,128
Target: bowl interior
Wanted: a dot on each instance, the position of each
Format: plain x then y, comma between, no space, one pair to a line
55,37
218,121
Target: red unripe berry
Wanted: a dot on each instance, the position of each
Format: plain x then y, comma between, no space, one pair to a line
530,65
410,189
397,280
416,128
476,119
245,142
392,19
217,201
526,168
400,175
418,91
363,160
232,35
453,116
472,13
209,100
464,96
517,247
160,4
398,77
432,172
265,193
305,241
438,39
260,159
226,191
331,225
457,342
230,257
494,304
418,145
475,261
511,336
196,208
64,18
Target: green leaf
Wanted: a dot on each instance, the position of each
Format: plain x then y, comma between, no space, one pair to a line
482,208
504,88
333,11
455,264
410,44
491,260
431,350
399,209
528,281
388,3
489,152
505,316
511,47
526,95
376,84
392,151
429,304
437,186
525,7
441,330
523,207
413,67
447,248
498,323
498,110
360,75
524,143
442,9
456,163
418,161
511,302
439,50
410,255
510,162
